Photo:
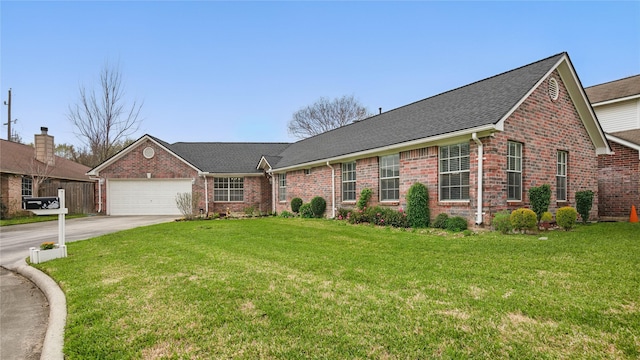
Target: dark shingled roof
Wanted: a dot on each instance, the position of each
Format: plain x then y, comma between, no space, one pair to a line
230,158
481,103
614,89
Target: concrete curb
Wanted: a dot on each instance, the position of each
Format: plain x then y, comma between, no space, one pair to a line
54,337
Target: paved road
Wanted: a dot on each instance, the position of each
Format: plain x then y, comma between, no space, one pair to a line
24,310
16,240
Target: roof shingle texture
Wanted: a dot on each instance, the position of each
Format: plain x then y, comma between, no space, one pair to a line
632,136
614,90
18,158
481,103
216,157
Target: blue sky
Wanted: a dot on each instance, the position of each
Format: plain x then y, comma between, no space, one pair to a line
237,71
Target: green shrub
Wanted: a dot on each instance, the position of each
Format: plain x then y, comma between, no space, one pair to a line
295,204
365,196
566,217
523,219
546,217
248,211
457,223
502,221
540,198
343,214
441,221
306,211
584,202
418,206
318,206
378,215
286,214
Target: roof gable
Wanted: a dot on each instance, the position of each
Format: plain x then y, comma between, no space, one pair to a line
483,105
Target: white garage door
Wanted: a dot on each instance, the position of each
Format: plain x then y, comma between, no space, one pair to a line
145,196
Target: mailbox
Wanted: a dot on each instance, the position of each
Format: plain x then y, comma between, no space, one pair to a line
39,203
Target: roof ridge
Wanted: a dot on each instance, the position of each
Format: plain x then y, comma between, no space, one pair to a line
612,81
439,94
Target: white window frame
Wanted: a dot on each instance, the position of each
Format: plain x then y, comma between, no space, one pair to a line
561,175
349,181
227,189
389,173
282,187
454,164
27,187
514,171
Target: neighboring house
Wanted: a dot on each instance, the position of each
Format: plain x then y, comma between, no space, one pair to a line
617,105
28,171
478,148
145,177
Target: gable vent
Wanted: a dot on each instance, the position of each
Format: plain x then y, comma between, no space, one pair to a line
148,152
553,89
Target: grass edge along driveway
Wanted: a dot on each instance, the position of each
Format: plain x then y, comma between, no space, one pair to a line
277,288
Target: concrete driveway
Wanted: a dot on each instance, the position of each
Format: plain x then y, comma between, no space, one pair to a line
16,240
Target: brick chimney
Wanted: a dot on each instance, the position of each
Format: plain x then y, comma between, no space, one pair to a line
45,150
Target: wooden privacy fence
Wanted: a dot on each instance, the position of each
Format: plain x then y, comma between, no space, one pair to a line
79,196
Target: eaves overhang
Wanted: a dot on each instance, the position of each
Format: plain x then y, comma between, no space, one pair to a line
623,142
442,139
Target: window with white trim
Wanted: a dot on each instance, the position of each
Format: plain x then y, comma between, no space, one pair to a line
561,176
390,178
454,172
27,186
514,171
349,181
228,189
282,187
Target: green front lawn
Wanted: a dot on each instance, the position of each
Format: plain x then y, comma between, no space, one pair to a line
35,219
296,289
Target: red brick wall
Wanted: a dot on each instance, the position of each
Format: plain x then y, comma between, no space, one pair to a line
164,165
542,125
619,181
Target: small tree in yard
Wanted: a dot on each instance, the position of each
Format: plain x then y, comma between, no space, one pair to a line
540,198
187,203
418,206
295,204
584,202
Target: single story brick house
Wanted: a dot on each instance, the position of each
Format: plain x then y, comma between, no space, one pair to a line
478,148
32,171
617,106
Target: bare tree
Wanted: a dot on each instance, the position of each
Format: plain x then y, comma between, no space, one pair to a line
325,115
102,118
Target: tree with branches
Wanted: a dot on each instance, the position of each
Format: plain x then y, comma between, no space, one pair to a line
325,115
102,118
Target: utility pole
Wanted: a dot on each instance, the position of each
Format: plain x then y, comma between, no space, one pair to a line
8,103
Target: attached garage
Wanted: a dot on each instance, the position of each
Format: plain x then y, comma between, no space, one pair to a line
145,196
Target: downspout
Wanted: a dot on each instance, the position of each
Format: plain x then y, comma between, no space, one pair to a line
333,191
206,196
474,136
273,191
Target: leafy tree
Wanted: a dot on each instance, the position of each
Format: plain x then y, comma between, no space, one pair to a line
102,118
584,202
540,198
325,115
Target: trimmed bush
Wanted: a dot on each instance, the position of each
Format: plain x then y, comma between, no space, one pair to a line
318,206
418,206
566,217
540,198
295,204
306,211
365,196
342,214
441,221
584,202
523,219
457,224
502,221
286,214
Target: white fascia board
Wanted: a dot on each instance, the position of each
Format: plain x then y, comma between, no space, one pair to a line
442,139
96,171
263,164
228,175
613,101
624,143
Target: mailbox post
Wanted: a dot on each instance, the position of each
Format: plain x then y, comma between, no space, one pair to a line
50,206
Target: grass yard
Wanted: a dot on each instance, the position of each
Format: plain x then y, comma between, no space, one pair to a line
35,219
274,288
